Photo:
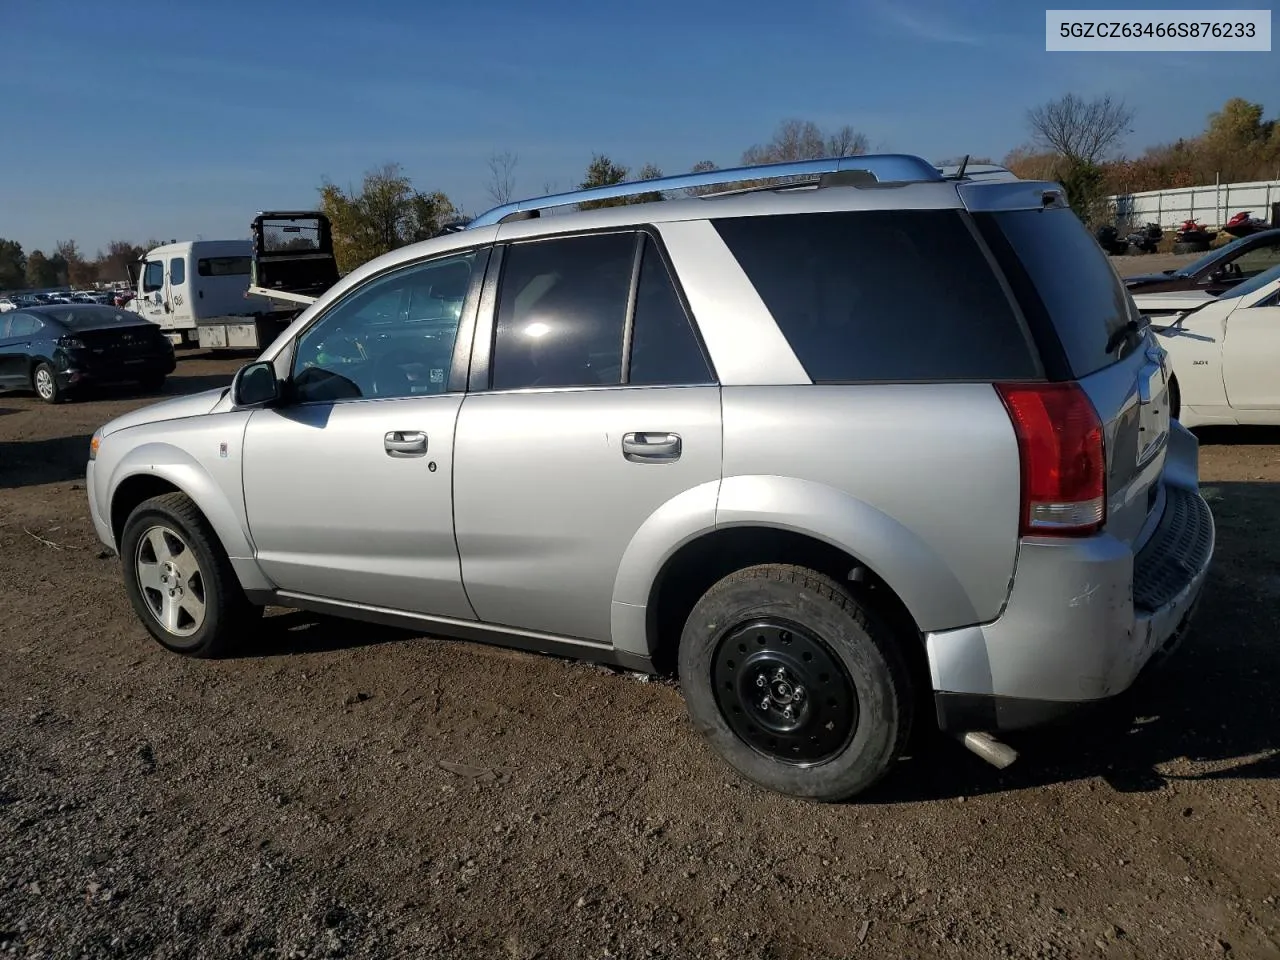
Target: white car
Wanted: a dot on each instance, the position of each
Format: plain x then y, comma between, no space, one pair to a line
7,304
1224,351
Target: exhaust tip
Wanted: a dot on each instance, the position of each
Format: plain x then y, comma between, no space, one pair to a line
999,755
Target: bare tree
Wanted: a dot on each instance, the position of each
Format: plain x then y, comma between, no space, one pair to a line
502,176
847,142
1081,131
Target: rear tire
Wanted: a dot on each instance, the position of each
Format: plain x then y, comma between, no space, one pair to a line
180,581
765,632
45,383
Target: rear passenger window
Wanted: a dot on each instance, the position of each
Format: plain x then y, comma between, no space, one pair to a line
562,307
664,349
892,295
177,270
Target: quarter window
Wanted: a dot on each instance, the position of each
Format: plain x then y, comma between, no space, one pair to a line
898,296
392,337
153,276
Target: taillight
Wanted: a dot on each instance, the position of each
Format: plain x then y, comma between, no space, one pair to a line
1060,447
70,343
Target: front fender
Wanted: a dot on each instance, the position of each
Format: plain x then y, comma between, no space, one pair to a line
212,481
913,570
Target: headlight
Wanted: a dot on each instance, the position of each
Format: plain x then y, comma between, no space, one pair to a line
94,442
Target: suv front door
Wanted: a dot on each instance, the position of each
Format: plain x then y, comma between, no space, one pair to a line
348,484
592,407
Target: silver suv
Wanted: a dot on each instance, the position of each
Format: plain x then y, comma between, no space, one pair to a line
855,450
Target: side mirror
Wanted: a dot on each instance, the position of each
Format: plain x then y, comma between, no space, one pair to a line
256,385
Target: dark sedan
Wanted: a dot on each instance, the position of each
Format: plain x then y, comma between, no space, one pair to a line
1218,270
56,350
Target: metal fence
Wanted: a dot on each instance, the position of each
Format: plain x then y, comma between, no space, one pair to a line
1213,205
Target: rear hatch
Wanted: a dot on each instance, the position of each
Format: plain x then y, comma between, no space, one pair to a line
1088,330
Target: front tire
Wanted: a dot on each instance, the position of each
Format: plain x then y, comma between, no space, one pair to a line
179,579
795,683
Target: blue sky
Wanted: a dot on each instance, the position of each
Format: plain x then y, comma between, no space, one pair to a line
180,119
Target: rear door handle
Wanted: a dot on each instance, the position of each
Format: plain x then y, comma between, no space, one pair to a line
651,447
405,443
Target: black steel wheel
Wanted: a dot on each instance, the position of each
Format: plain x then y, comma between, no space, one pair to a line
783,691
795,682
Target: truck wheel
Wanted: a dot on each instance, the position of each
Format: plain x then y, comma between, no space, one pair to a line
45,383
179,579
798,686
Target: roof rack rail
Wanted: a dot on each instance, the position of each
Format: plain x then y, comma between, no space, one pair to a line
882,168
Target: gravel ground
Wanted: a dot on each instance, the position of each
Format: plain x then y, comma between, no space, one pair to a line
348,791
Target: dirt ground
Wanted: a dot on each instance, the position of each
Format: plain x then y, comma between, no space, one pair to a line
347,791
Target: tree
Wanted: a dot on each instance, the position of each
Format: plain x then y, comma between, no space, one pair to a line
502,179
649,171
114,264
73,268
804,140
602,172
384,214
13,265
41,271
1078,130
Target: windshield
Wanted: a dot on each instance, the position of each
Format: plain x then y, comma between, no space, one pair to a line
1252,284
80,319
1211,257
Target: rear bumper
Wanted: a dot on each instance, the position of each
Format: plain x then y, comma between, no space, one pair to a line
78,374
1082,621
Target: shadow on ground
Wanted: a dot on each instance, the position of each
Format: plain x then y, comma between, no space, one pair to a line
29,463
1215,702
1238,436
289,632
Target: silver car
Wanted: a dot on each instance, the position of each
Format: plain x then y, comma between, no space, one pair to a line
865,448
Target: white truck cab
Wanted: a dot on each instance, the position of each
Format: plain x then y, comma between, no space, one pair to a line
181,286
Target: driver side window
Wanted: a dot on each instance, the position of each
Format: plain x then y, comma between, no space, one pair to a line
1255,261
392,337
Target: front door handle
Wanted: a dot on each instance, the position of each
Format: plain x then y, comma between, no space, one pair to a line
405,443
651,447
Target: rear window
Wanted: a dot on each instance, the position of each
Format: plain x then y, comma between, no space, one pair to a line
223,266
896,296
76,319
1063,280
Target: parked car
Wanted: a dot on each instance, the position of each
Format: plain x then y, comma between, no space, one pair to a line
8,303
687,433
1217,271
1224,351
57,350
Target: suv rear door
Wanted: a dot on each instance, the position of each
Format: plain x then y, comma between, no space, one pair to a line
1088,330
592,406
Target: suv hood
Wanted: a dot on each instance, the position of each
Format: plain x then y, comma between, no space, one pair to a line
192,405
